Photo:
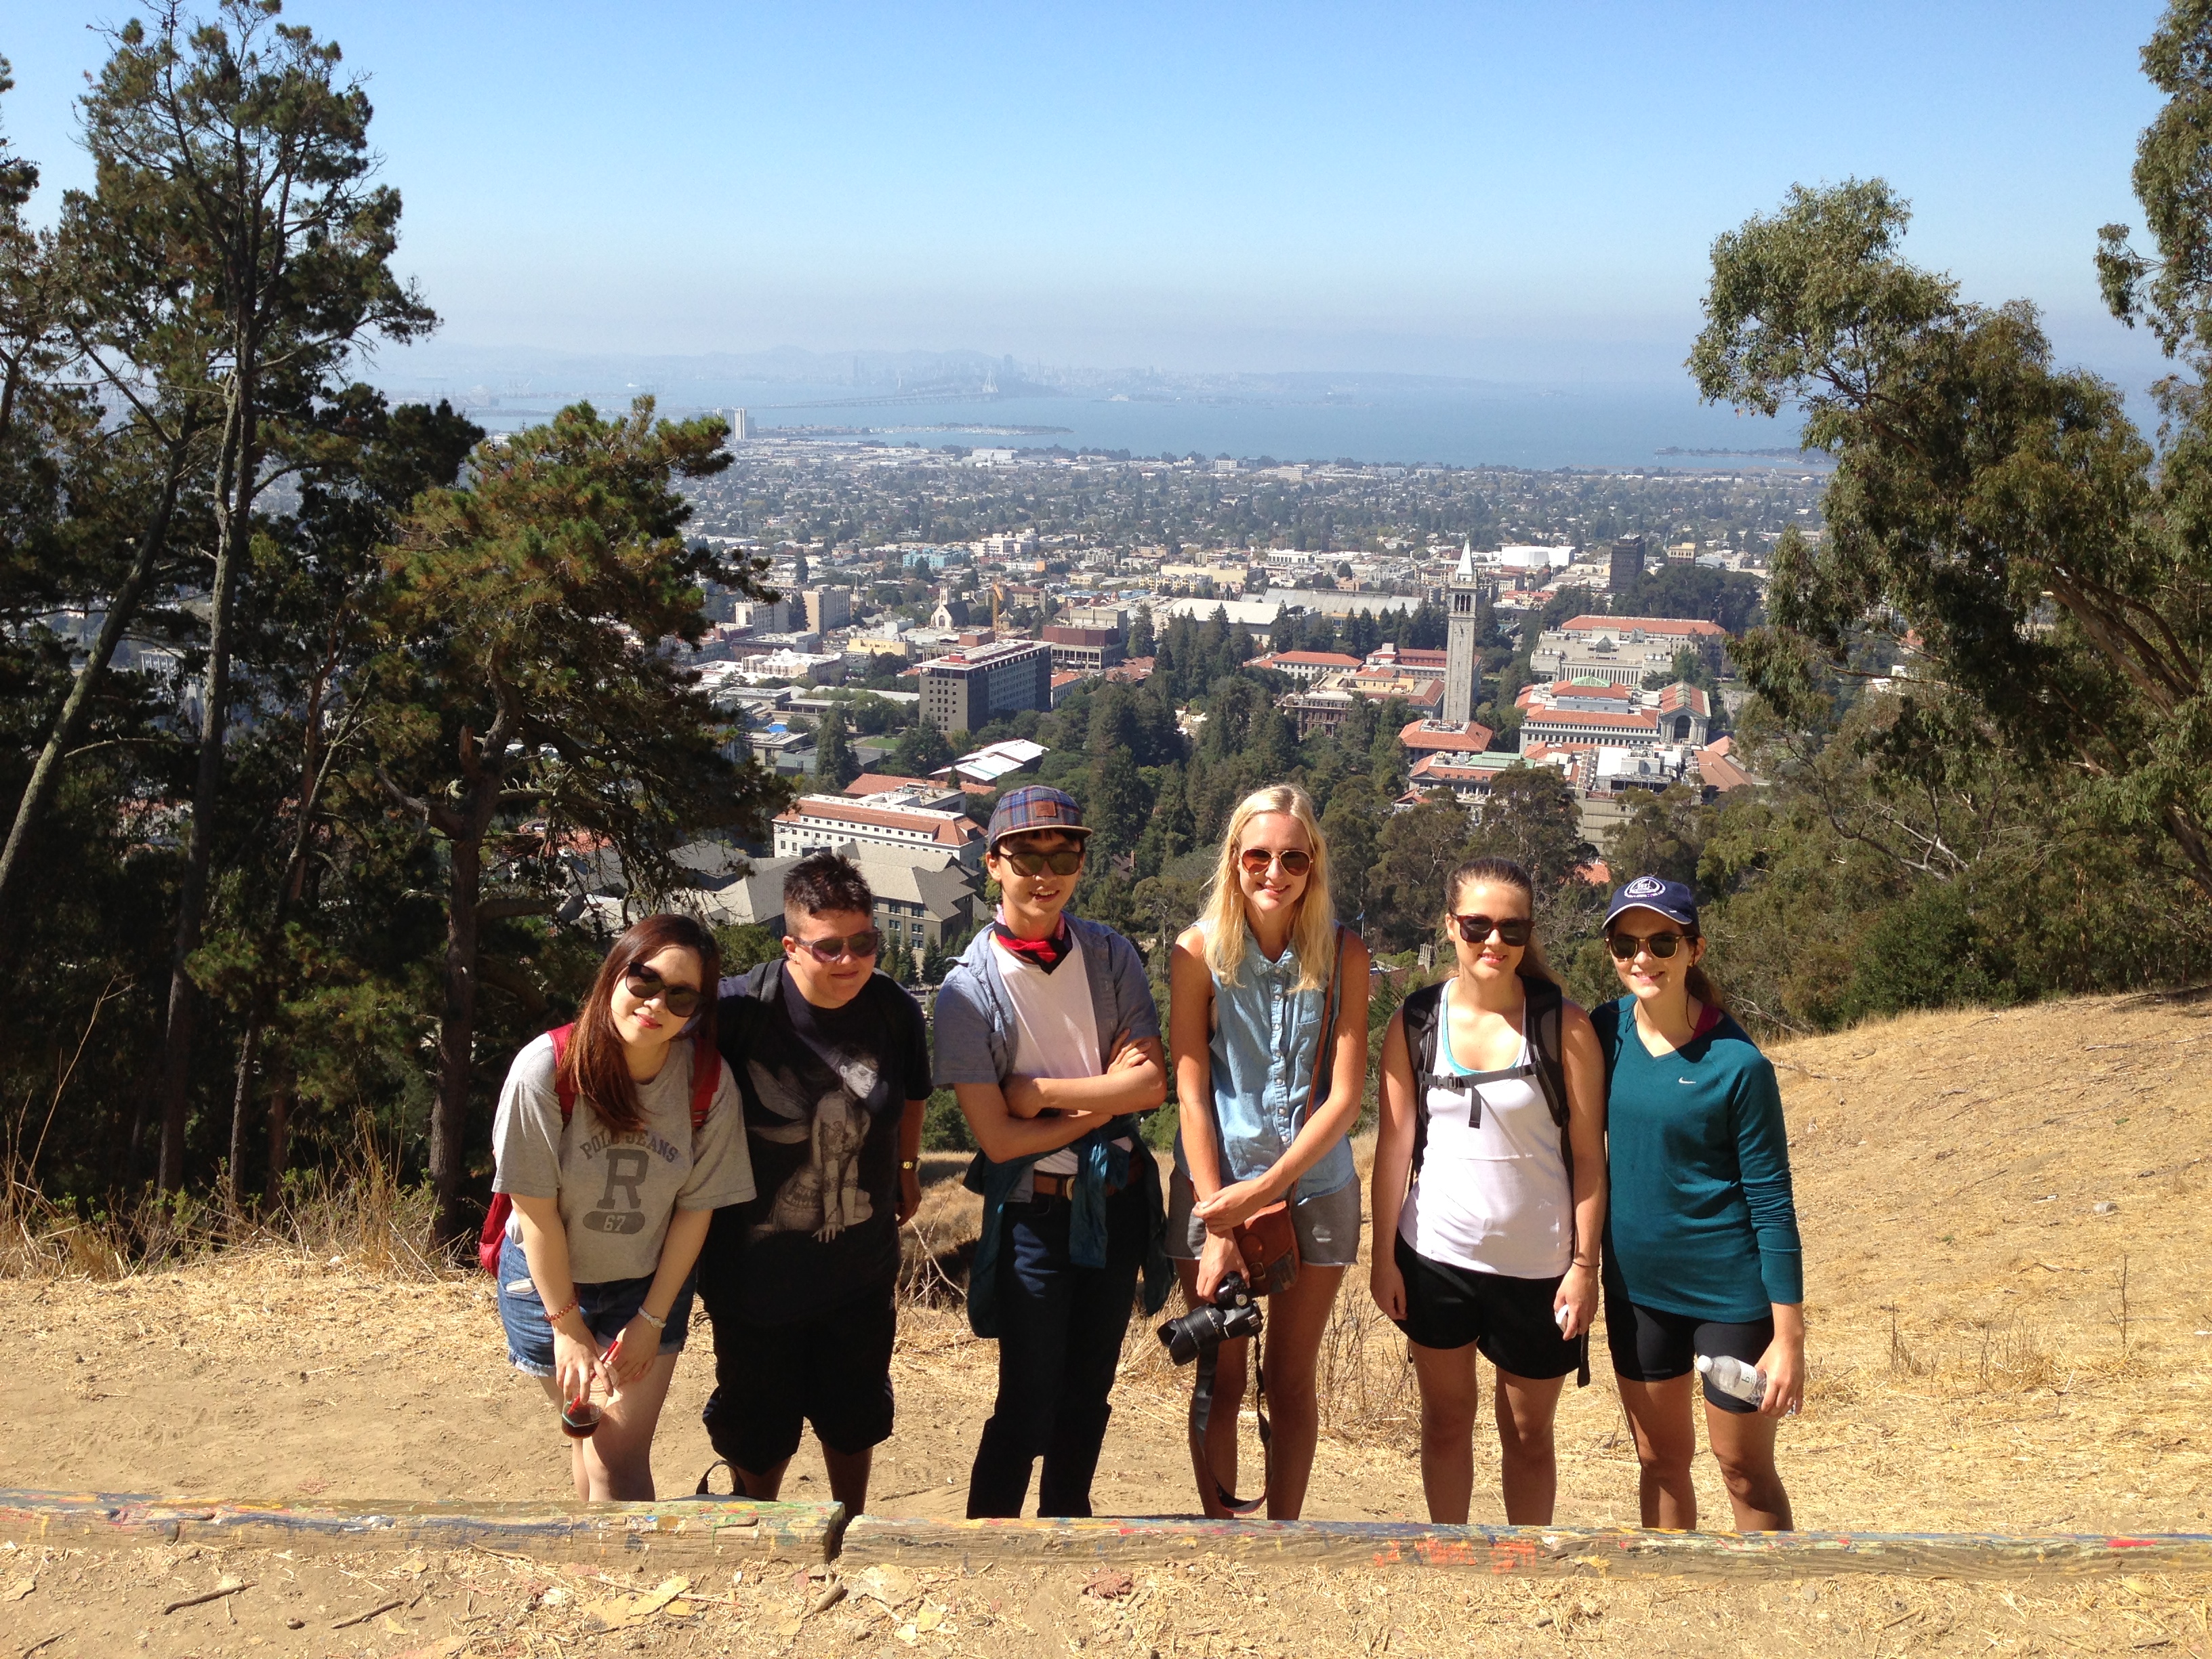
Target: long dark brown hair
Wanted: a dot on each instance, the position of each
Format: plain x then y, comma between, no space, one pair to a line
1507,873
594,1066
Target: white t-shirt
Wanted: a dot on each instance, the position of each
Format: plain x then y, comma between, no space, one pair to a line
1056,1033
1493,1195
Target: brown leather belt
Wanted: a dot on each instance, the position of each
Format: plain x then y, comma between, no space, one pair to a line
1060,1186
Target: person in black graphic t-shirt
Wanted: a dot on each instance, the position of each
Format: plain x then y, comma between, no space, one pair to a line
832,1062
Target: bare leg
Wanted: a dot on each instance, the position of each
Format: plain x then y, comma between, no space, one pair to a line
1297,1320
1659,1417
1451,1399
848,1478
1228,1382
1743,1445
617,1462
578,1474
1528,1471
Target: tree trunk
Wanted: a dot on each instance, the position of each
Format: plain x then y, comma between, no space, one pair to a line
241,1100
280,1137
240,462
47,776
457,1032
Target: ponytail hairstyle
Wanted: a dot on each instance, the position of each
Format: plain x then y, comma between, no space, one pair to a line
1699,983
1505,873
1313,931
592,1066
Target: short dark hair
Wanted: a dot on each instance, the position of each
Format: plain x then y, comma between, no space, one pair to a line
827,881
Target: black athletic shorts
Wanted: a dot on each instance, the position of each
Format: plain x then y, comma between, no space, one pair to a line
834,1372
1509,1321
1650,1346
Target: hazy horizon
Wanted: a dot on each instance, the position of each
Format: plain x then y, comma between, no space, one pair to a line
1470,191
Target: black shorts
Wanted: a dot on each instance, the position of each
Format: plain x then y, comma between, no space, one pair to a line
1650,1345
834,1372
1509,1321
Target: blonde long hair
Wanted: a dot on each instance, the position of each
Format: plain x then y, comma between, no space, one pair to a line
1313,934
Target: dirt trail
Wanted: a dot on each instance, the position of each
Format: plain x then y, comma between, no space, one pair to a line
1975,1190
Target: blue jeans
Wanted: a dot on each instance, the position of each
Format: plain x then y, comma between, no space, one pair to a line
1059,1343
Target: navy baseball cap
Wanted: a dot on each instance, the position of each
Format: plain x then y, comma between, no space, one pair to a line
1671,899
1038,806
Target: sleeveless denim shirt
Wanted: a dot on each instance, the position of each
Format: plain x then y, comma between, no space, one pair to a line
1267,1036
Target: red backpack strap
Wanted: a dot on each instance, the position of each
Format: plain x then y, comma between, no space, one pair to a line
706,1079
561,1034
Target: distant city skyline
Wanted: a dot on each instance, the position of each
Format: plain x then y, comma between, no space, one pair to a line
1511,193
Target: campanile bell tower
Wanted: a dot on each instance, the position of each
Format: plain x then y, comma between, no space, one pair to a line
1462,661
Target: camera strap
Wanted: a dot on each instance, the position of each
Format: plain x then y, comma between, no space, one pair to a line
1201,1418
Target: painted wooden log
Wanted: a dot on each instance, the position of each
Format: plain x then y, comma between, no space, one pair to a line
677,1531
1524,1550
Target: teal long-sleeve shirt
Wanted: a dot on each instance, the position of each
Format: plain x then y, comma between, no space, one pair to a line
1701,1220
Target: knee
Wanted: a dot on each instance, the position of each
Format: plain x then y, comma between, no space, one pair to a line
1444,1422
1665,1462
1745,1475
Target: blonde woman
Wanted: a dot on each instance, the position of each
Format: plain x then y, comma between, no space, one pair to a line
1266,1098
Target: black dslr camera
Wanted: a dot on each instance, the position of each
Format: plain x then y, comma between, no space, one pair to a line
1231,1314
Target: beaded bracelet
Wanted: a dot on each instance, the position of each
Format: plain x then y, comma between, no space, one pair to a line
554,1319
657,1324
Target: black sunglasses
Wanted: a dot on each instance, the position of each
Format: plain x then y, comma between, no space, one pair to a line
644,984
1625,946
862,944
1510,930
1065,862
1257,859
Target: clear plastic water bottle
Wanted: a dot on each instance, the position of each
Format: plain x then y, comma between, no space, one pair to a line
1733,1377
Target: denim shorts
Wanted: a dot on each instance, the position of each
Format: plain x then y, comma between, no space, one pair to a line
607,1309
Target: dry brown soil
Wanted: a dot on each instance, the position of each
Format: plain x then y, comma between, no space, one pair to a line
2006,1232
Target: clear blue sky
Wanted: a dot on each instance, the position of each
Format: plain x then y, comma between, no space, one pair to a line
1523,190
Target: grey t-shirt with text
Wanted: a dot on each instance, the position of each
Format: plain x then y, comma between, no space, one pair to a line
617,1192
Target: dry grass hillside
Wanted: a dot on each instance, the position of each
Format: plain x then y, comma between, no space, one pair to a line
2005,1233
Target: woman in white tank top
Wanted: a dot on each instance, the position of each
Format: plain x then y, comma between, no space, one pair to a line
1491,1245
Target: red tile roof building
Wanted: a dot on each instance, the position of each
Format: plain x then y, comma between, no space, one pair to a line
1306,665
817,820
1445,736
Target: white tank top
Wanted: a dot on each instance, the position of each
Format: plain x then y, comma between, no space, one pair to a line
1492,1195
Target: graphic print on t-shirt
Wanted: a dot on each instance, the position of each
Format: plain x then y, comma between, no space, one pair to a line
619,1206
824,1196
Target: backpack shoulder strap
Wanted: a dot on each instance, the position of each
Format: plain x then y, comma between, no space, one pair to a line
561,1034
706,1079
1422,1012
1542,1017
1540,1020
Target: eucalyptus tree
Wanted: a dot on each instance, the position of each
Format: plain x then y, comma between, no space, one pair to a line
2001,510
525,716
229,152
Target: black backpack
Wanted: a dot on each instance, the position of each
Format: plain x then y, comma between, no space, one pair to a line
1540,1020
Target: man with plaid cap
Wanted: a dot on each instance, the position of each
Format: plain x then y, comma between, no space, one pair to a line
1047,1033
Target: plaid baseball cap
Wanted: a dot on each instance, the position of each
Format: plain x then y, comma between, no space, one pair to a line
1038,806
1671,899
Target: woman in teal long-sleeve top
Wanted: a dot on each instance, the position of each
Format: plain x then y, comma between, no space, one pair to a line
1701,1248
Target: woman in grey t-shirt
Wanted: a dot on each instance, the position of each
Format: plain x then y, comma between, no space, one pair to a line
614,1172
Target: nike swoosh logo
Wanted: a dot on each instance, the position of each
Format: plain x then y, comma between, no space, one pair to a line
1686,1079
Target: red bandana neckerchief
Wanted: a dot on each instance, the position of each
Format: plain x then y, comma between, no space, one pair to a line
1045,953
